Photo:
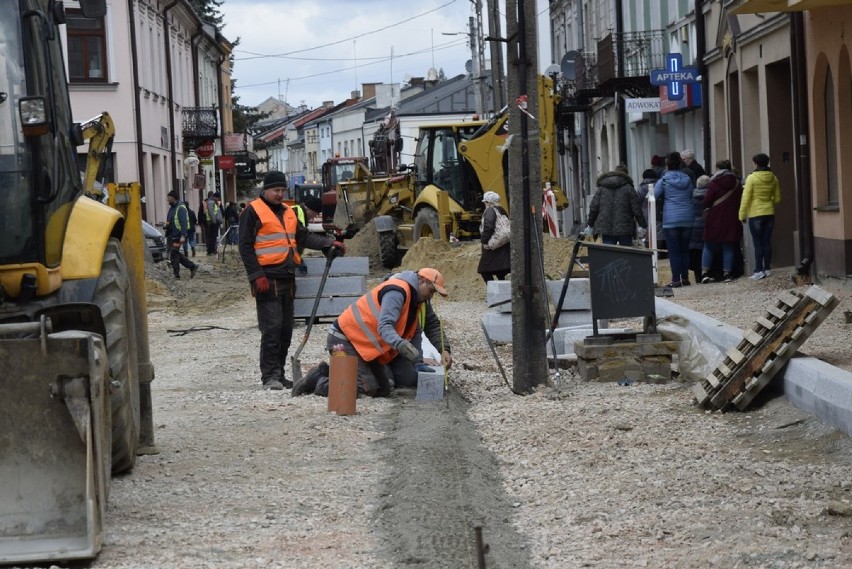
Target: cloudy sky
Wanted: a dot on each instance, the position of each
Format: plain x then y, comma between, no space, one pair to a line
310,51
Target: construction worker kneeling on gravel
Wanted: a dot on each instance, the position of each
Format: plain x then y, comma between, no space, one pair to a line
383,329
270,237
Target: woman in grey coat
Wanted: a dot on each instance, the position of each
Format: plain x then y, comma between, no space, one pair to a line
616,209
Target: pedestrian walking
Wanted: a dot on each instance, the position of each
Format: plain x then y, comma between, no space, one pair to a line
232,219
722,228
696,238
689,161
383,329
675,189
176,228
190,234
213,217
270,236
616,209
495,262
761,194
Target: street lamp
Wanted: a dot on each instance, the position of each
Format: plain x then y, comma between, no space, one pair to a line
191,160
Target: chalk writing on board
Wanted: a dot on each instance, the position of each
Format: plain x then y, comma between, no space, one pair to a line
614,279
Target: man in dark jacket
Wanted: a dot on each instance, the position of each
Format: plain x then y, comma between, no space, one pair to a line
176,228
270,236
616,209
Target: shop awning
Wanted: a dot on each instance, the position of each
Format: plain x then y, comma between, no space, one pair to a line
761,6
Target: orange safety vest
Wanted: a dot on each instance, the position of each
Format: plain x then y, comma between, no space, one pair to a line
360,323
274,242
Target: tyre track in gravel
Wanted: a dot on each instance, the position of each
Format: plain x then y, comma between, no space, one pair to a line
442,484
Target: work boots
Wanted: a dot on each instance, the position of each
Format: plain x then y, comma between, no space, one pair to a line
308,383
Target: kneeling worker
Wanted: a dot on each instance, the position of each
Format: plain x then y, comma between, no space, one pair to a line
383,329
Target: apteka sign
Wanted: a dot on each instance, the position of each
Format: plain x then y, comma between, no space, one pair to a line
675,76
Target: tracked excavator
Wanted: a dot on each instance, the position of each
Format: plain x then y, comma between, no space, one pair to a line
75,402
440,195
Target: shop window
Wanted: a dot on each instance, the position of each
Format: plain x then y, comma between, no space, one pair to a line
87,54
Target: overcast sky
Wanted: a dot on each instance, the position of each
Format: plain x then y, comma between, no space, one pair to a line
310,51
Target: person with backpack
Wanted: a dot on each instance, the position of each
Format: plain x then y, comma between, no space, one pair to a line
176,228
190,234
495,261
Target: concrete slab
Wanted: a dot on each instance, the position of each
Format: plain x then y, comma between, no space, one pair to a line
334,286
809,383
578,296
340,266
328,306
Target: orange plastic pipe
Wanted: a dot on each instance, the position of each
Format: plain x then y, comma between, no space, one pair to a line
342,384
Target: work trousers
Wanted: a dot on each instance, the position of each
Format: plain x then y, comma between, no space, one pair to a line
374,379
177,258
212,237
275,321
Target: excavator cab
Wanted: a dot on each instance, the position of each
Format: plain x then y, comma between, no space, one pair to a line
73,335
439,163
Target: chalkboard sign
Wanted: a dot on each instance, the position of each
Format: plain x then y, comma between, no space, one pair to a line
621,281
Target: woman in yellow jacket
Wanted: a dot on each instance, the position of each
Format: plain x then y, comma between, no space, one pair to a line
762,192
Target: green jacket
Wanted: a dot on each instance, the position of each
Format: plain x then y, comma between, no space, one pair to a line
760,195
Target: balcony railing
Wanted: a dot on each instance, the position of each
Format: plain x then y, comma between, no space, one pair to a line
640,53
200,122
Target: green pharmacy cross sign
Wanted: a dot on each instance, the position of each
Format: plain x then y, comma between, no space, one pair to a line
675,76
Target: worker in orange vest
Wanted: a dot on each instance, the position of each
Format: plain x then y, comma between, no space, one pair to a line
271,238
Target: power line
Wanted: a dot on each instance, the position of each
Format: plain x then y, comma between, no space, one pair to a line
382,60
345,40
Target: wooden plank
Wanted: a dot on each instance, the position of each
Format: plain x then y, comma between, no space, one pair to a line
735,355
753,338
700,394
789,299
777,312
768,324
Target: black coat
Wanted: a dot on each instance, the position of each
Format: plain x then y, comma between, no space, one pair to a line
499,259
616,207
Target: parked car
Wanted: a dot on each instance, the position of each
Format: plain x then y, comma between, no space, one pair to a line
155,240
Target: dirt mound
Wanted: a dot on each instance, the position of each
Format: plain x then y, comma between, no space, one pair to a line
459,264
365,243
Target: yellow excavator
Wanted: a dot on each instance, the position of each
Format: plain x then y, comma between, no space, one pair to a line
441,194
75,389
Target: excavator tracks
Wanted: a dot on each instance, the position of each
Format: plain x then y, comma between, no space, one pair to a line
764,349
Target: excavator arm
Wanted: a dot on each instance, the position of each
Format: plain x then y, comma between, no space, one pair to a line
99,132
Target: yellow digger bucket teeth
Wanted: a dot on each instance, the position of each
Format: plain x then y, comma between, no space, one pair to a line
54,446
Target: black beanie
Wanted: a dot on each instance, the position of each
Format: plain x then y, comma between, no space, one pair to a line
274,179
313,202
174,194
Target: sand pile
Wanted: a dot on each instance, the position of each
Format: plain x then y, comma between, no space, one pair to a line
457,264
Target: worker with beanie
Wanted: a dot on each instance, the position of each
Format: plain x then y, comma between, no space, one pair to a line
270,240
176,228
310,207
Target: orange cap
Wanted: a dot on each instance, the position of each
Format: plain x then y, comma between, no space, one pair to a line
434,277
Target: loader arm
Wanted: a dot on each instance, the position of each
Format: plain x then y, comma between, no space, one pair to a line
99,131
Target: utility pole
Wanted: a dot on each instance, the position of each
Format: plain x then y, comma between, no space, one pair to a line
480,59
528,318
498,83
476,72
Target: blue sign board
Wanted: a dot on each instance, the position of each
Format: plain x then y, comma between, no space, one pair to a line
674,76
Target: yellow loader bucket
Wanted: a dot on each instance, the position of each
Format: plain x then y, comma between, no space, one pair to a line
54,444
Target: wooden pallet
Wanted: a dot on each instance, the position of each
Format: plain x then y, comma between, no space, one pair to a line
763,350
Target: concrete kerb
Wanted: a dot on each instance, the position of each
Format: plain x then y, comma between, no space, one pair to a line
809,383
